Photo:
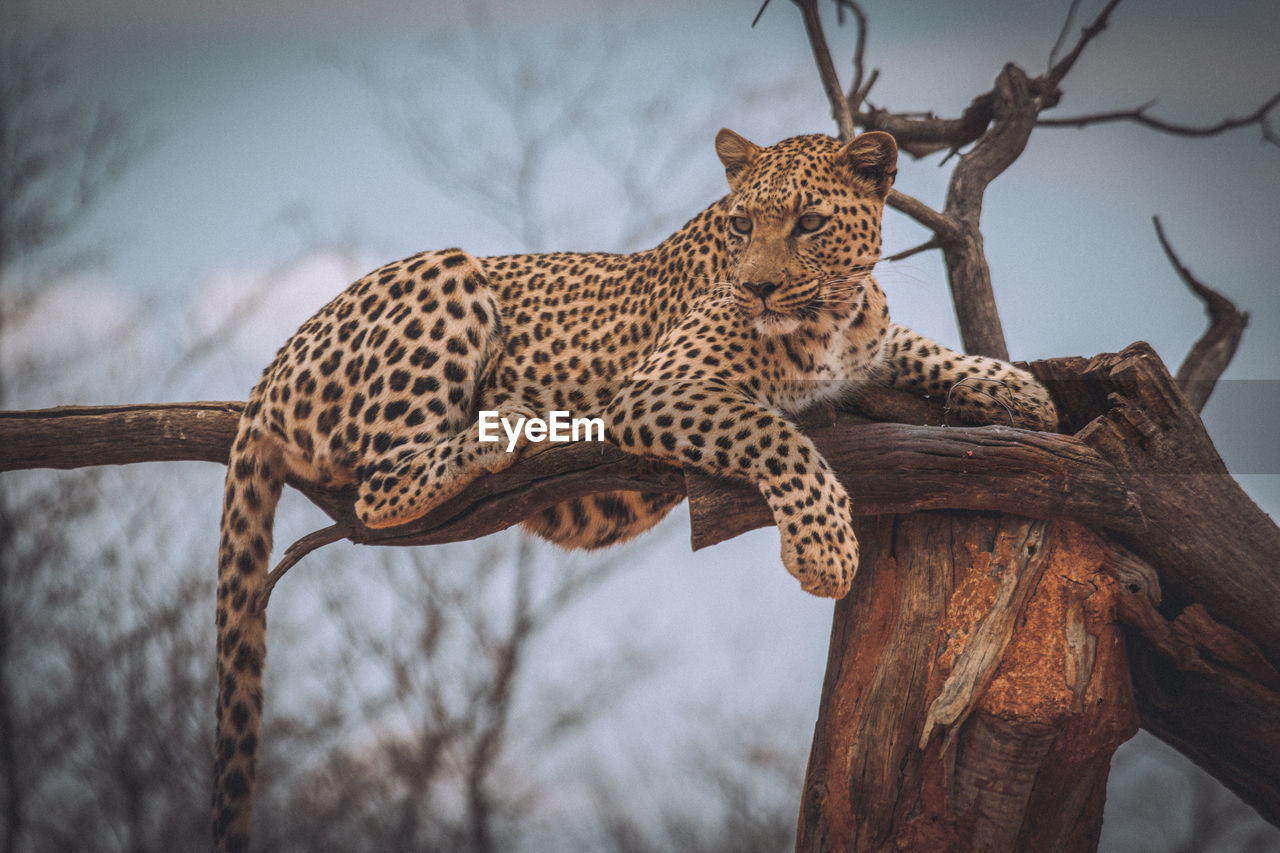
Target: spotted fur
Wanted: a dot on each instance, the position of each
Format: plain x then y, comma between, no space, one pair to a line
696,352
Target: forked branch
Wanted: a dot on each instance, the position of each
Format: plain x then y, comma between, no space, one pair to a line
1213,352
1058,69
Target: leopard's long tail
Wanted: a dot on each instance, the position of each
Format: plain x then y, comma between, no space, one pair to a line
255,477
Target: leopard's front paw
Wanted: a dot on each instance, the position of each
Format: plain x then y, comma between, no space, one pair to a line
1033,409
1015,399
822,557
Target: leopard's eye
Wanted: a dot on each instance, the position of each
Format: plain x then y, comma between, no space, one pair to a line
809,223
740,225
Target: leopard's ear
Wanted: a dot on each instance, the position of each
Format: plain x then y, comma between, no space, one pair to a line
873,157
736,153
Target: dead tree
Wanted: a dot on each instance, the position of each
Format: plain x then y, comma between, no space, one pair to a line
1026,600
984,630
974,697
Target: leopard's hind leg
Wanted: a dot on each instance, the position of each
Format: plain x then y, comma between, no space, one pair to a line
414,476
420,443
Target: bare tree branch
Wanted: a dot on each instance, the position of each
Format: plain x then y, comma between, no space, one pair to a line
943,226
890,467
1059,69
843,106
73,436
914,250
858,89
923,134
1014,111
1260,117
1061,41
294,554
826,68
1213,352
1013,115
760,12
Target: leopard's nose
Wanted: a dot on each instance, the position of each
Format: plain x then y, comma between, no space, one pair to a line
761,289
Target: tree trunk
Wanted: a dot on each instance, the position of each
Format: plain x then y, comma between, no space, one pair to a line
977,685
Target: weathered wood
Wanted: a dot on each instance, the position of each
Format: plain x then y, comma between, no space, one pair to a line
1209,542
1207,691
495,503
975,665
887,467
1024,761
79,436
1213,351
893,468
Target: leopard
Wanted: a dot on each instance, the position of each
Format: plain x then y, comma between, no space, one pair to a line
699,353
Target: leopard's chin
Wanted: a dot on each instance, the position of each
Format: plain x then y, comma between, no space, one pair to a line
771,324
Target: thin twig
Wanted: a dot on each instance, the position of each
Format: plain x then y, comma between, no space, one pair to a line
1088,34
1063,33
1212,353
826,68
756,19
295,552
859,97
1139,115
857,92
931,243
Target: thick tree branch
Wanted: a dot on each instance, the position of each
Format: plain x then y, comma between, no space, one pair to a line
942,226
923,134
1142,466
968,273
892,468
1209,541
1210,693
76,436
889,468
1213,352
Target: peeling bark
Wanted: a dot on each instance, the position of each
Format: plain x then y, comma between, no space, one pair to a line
1209,542
964,649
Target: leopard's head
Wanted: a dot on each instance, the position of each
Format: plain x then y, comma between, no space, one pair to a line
802,224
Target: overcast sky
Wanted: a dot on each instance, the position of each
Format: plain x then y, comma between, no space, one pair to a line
269,139
275,168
